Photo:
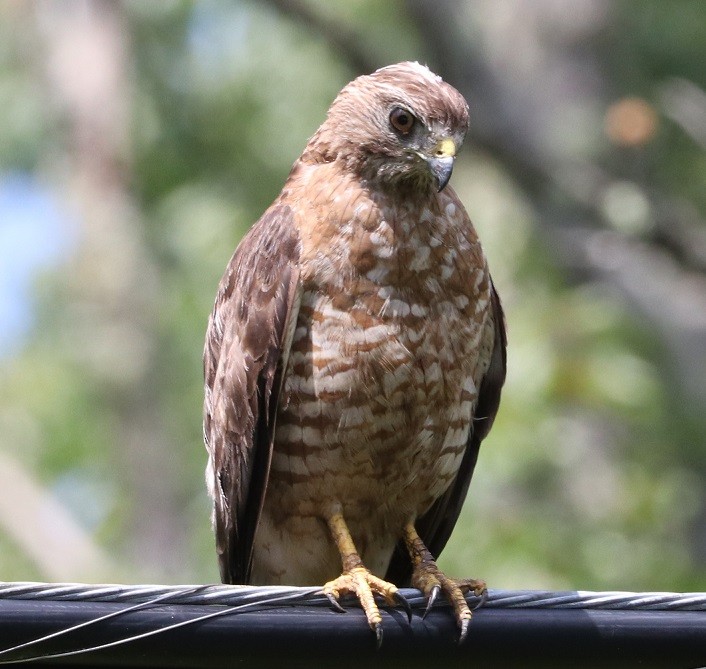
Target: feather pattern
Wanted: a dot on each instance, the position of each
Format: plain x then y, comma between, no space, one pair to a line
356,350
248,336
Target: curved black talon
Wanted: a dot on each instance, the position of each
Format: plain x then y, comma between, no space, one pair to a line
432,598
402,601
378,635
483,599
464,631
335,605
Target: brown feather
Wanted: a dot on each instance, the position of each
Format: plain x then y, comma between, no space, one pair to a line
245,347
435,526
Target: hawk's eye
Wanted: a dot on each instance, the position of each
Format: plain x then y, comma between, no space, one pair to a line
401,120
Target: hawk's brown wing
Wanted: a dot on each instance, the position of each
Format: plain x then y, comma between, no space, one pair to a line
436,525
247,345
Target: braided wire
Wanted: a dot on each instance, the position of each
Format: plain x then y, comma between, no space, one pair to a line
236,595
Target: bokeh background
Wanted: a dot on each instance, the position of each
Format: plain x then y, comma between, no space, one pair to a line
139,141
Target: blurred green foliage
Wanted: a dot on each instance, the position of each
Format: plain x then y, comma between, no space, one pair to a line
592,478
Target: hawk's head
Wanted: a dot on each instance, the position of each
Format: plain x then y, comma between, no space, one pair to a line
400,125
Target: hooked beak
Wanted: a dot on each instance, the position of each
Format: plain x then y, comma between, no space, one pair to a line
441,162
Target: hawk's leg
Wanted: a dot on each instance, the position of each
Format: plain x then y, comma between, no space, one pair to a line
357,580
427,577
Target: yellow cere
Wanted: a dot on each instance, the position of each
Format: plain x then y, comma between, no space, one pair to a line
445,148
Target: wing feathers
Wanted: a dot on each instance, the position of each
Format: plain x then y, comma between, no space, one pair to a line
247,343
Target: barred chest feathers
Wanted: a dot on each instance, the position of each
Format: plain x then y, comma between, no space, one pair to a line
390,345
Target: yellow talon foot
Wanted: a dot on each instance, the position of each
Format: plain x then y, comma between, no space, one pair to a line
427,577
364,585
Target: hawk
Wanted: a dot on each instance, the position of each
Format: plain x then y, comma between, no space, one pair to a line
354,357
